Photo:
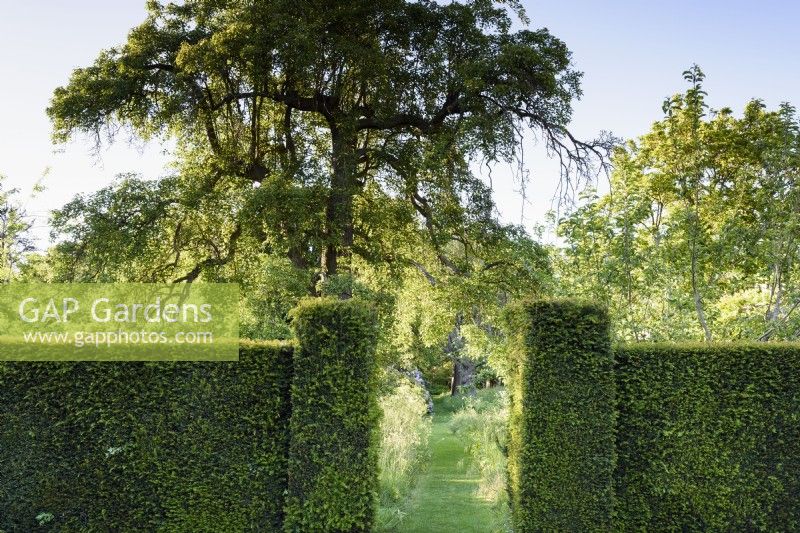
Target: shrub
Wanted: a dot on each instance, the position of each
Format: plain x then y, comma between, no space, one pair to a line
404,432
561,434
333,474
708,437
143,446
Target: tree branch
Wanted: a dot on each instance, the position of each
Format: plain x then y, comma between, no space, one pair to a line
213,261
450,107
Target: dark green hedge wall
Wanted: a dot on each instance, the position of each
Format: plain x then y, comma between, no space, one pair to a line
146,446
708,437
561,442
333,474
674,437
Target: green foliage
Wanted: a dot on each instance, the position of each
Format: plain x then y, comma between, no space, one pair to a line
145,446
708,437
333,472
441,314
698,231
403,450
199,446
269,287
113,234
561,425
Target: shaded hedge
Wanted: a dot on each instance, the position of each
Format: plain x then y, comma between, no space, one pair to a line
561,433
672,437
333,473
143,446
708,437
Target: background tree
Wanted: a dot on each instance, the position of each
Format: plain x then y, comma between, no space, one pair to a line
699,232
15,240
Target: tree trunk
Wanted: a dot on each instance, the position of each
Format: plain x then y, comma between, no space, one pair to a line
339,207
698,300
463,374
463,367
776,295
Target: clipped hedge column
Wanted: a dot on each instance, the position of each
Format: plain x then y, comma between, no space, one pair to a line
333,472
561,434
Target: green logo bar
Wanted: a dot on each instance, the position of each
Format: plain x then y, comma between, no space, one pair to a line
119,322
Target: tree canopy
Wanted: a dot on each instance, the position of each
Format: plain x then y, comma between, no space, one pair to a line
318,131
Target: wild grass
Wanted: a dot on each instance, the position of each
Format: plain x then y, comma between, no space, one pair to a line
481,425
404,432
445,497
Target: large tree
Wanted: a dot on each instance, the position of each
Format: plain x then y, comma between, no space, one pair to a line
314,129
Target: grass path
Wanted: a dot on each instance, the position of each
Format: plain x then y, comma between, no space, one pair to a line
444,499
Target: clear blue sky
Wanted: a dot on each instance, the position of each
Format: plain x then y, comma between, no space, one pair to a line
632,54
